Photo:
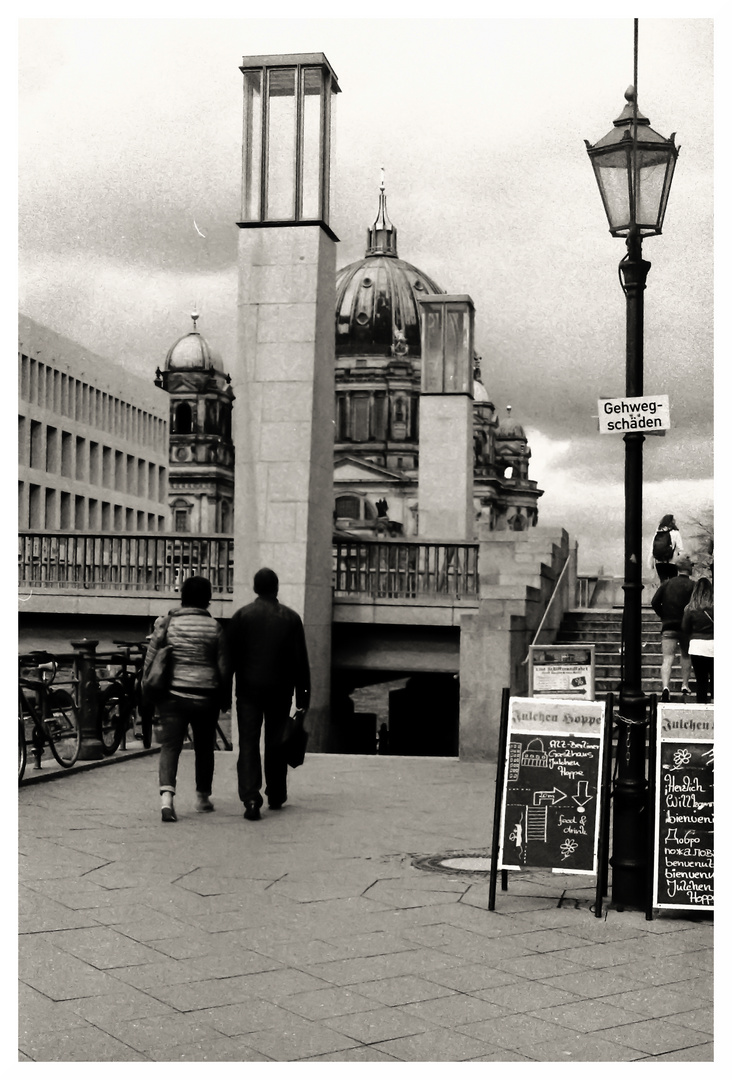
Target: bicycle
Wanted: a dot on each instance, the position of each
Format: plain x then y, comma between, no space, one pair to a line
120,704
52,713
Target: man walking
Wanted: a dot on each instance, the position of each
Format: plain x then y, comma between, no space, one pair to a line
270,661
669,602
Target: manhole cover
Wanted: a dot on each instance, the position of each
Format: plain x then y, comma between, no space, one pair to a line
455,862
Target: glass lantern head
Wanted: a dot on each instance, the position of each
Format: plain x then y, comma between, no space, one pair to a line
288,107
447,344
634,174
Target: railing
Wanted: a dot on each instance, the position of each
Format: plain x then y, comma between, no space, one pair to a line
586,585
144,562
405,570
558,600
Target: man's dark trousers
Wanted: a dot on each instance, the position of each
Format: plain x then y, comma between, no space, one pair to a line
251,709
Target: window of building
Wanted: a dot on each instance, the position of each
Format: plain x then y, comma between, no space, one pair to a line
119,518
24,377
65,511
152,491
49,520
106,516
41,394
151,523
119,470
348,506
107,467
360,418
22,453
129,520
33,389
66,454
162,483
180,518
52,462
36,445
35,509
182,419
94,515
79,512
82,464
140,521
131,475
141,476
94,463
380,415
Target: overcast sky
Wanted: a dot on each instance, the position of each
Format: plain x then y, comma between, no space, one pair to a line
129,130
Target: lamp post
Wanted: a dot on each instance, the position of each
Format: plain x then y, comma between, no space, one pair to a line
633,167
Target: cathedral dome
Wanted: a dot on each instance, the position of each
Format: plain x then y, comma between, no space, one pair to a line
193,353
376,298
510,429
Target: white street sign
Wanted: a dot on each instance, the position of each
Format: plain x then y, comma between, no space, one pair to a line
647,414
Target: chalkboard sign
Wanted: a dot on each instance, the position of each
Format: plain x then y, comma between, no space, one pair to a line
563,671
684,808
550,813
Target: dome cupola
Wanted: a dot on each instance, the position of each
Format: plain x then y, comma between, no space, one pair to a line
193,353
377,312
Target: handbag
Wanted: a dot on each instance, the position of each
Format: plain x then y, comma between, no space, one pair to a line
156,683
295,739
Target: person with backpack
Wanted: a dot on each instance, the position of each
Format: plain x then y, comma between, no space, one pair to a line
698,625
669,603
666,548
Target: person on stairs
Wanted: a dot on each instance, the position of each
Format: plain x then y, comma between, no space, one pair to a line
669,602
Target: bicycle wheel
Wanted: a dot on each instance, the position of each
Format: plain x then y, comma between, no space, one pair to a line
112,718
22,748
62,728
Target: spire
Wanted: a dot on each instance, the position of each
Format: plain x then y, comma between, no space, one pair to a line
195,316
382,236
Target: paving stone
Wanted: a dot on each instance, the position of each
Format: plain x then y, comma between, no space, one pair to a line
208,993
127,1004
357,1053
703,959
151,1034
703,1052
527,995
298,1040
373,943
102,947
591,984
378,1024
471,978
669,970
67,978
245,1016
576,1047
222,1049
393,896
516,1032
655,1001
698,1019
321,1004
437,1045
655,1036
456,1010
585,1016
37,1013
80,1043
401,990
408,962
544,966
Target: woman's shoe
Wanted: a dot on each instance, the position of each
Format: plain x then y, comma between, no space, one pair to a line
167,809
203,804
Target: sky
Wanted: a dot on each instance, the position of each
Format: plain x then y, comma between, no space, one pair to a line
130,149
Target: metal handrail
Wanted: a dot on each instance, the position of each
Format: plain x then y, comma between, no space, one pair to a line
558,582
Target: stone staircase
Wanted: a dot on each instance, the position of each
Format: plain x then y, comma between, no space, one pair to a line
602,628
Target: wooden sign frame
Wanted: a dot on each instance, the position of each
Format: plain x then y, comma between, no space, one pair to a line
573,737
682,748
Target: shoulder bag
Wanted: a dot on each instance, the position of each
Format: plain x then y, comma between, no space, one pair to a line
156,684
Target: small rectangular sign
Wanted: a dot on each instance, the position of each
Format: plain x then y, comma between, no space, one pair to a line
562,670
645,414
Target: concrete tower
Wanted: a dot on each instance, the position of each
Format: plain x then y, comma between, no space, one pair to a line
285,365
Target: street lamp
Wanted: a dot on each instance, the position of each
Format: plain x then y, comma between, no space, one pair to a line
633,167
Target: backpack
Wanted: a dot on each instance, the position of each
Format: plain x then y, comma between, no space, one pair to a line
663,546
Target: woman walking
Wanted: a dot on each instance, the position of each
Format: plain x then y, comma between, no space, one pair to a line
666,548
698,624
200,683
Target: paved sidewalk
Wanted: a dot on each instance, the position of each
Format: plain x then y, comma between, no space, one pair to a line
311,936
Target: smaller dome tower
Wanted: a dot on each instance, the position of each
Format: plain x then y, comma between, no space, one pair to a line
201,450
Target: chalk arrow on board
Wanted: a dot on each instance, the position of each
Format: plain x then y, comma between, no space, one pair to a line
582,798
551,797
